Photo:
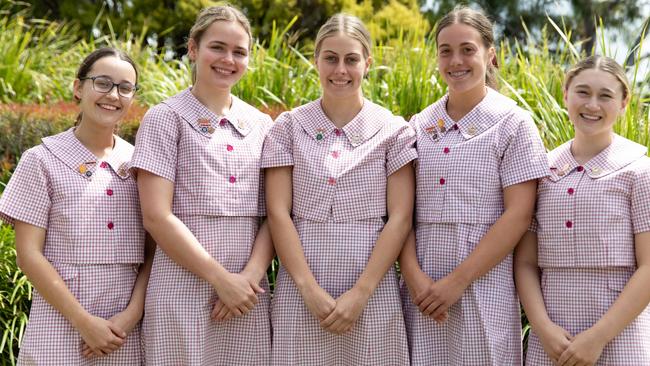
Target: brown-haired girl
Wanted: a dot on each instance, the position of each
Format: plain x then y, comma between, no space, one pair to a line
79,234
335,167
582,272
479,156
197,156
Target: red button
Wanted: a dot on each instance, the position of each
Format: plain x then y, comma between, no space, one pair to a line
335,154
442,181
110,226
446,150
232,179
580,168
337,132
331,181
103,165
109,192
222,122
455,126
570,191
569,224
229,148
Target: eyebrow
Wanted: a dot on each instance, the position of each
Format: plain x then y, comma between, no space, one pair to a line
226,44
111,79
586,86
348,54
462,44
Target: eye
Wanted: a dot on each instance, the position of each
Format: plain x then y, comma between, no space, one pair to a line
606,96
352,60
103,83
331,59
241,53
468,50
443,52
126,88
582,92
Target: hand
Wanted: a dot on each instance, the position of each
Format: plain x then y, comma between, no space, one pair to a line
419,285
348,309
124,321
318,301
584,350
237,293
554,340
101,335
440,296
221,311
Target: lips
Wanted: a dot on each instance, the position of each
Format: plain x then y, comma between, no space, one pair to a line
223,71
340,82
458,74
590,117
108,107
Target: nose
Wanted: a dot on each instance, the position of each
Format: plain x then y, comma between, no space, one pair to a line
592,103
340,68
228,57
455,59
113,93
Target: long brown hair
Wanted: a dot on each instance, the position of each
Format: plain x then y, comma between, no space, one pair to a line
604,63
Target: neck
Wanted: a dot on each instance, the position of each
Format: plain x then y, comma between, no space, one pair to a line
459,104
98,141
216,100
584,148
341,110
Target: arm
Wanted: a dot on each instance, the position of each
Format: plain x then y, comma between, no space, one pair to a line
588,345
101,335
519,203
178,242
400,198
278,183
553,338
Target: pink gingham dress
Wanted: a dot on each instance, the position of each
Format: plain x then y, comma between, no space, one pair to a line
462,168
94,239
214,163
587,216
339,199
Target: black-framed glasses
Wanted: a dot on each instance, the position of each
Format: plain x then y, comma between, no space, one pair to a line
103,84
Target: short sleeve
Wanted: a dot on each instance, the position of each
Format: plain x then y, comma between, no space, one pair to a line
525,156
26,197
641,199
261,200
533,224
156,143
278,150
401,150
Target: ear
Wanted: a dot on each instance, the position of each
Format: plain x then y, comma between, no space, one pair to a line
76,89
492,54
192,49
625,102
369,61
565,94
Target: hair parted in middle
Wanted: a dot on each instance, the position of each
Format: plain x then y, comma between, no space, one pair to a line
212,14
479,21
348,25
603,63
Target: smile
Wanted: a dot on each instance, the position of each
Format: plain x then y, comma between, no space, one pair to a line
458,74
223,71
107,107
590,117
340,82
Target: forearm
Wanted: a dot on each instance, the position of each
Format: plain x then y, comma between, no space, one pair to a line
178,242
408,259
630,303
384,254
262,253
136,304
289,249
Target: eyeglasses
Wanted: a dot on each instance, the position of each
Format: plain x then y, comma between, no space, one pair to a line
103,84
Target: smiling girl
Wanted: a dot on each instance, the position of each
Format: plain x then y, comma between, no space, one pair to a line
335,168
591,241
197,157
479,158
79,234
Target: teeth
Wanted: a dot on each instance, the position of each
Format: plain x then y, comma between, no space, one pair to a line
108,106
589,117
458,73
223,71
339,82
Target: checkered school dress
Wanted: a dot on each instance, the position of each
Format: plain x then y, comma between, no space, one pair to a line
339,199
214,163
587,216
94,239
462,169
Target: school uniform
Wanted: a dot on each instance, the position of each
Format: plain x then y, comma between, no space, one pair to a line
214,163
94,239
587,216
339,200
462,170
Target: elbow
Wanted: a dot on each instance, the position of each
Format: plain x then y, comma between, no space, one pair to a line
152,220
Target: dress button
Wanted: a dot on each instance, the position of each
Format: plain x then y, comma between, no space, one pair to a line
569,224
223,121
89,173
442,181
331,181
229,147
109,192
580,168
335,154
232,179
103,165
570,191
110,225
455,127
446,150
337,132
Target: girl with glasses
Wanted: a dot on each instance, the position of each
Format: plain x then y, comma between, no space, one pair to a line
79,234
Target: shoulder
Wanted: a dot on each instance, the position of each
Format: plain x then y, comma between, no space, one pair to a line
429,113
251,113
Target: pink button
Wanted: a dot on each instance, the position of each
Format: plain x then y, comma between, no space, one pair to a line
331,181
109,192
335,154
569,224
232,179
570,191
223,121
446,150
337,132
580,168
110,225
103,165
442,181
229,148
